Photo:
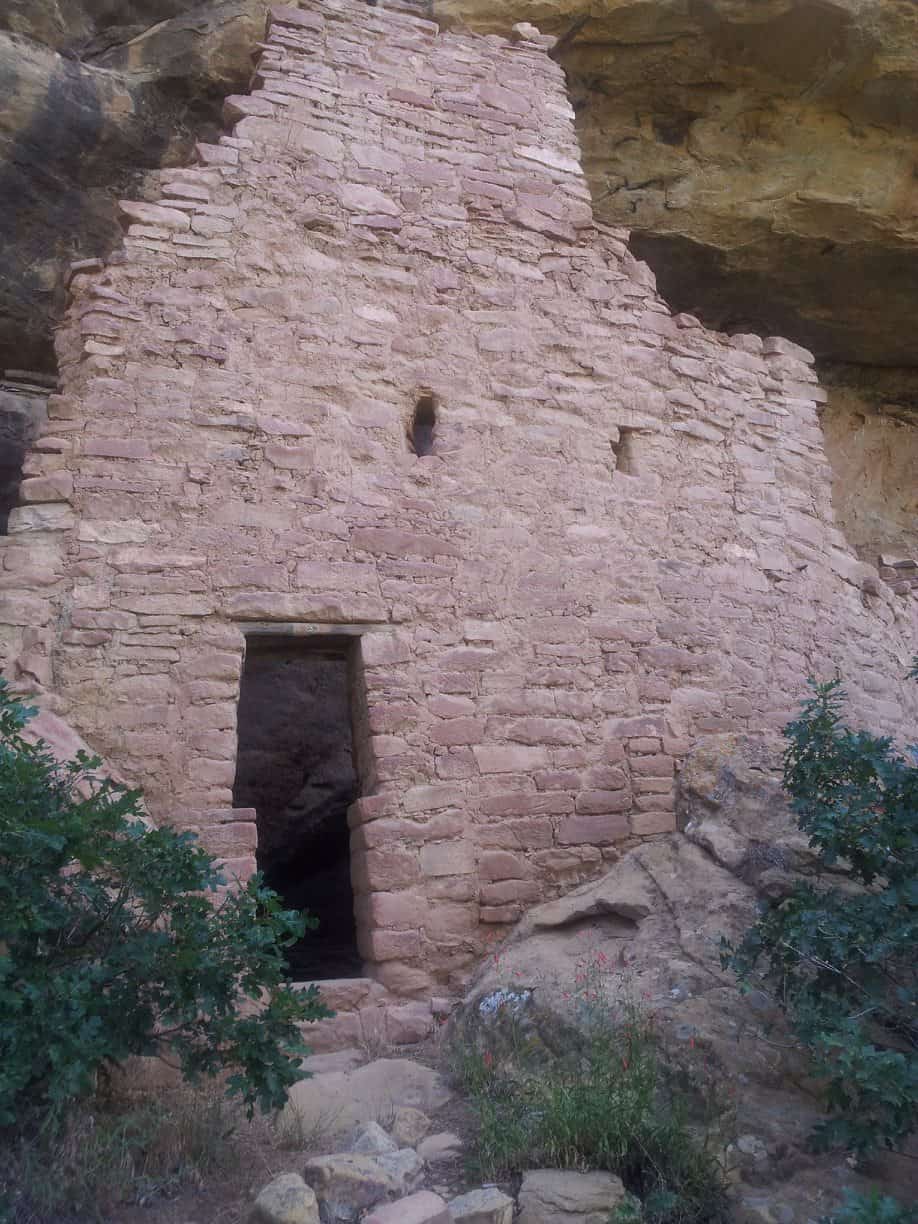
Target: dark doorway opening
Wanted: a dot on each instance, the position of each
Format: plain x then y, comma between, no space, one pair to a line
295,767
23,411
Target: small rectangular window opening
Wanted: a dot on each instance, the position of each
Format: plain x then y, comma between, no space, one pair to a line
422,430
295,767
625,451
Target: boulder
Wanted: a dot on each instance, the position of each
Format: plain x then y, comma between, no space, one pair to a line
562,1196
650,931
485,1206
285,1200
347,1184
437,1148
338,1060
372,1140
425,1207
334,1103
409,1126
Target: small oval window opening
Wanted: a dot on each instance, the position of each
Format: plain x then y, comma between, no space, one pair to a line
423,426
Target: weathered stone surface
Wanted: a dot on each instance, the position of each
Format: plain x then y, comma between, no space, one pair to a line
285,1200
740,844
425,1207
347,1185
94,95
485,1206
763,186
440,1147
556,1196
871,435
732,804
409,1126
336,1101
372,1140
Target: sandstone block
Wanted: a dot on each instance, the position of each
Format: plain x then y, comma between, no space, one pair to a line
653,766
57,487
503,892
424,1207
447,858
409,1126
388,945
285,1200
154,214
594,802
387,867
643,824
362,199
372,1140
555,1196
509,759
46,516
347,1185
486,1206
431,798
409,1024
393,909
598,830
338,1101
501,865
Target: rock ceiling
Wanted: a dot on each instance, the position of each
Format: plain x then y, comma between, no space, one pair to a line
764,152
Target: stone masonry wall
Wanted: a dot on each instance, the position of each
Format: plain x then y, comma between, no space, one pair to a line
622,540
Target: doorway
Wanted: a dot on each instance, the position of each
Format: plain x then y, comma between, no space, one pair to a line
295,767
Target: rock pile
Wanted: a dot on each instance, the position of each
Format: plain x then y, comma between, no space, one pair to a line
384,1166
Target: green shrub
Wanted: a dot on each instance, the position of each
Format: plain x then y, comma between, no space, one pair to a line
839,952
612,1102
113,942
872,1208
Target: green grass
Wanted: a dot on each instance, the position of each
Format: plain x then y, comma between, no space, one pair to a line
611,1102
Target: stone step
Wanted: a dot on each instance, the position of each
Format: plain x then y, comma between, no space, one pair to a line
368,1016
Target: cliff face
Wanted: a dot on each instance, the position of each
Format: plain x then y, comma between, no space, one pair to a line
763,152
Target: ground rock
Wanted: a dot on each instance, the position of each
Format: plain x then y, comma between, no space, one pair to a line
285,1200
558,1196
347,1184
650,931
439,1147
372,1140
485,1206
336,1102
338,1060
425,1207
409,1126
